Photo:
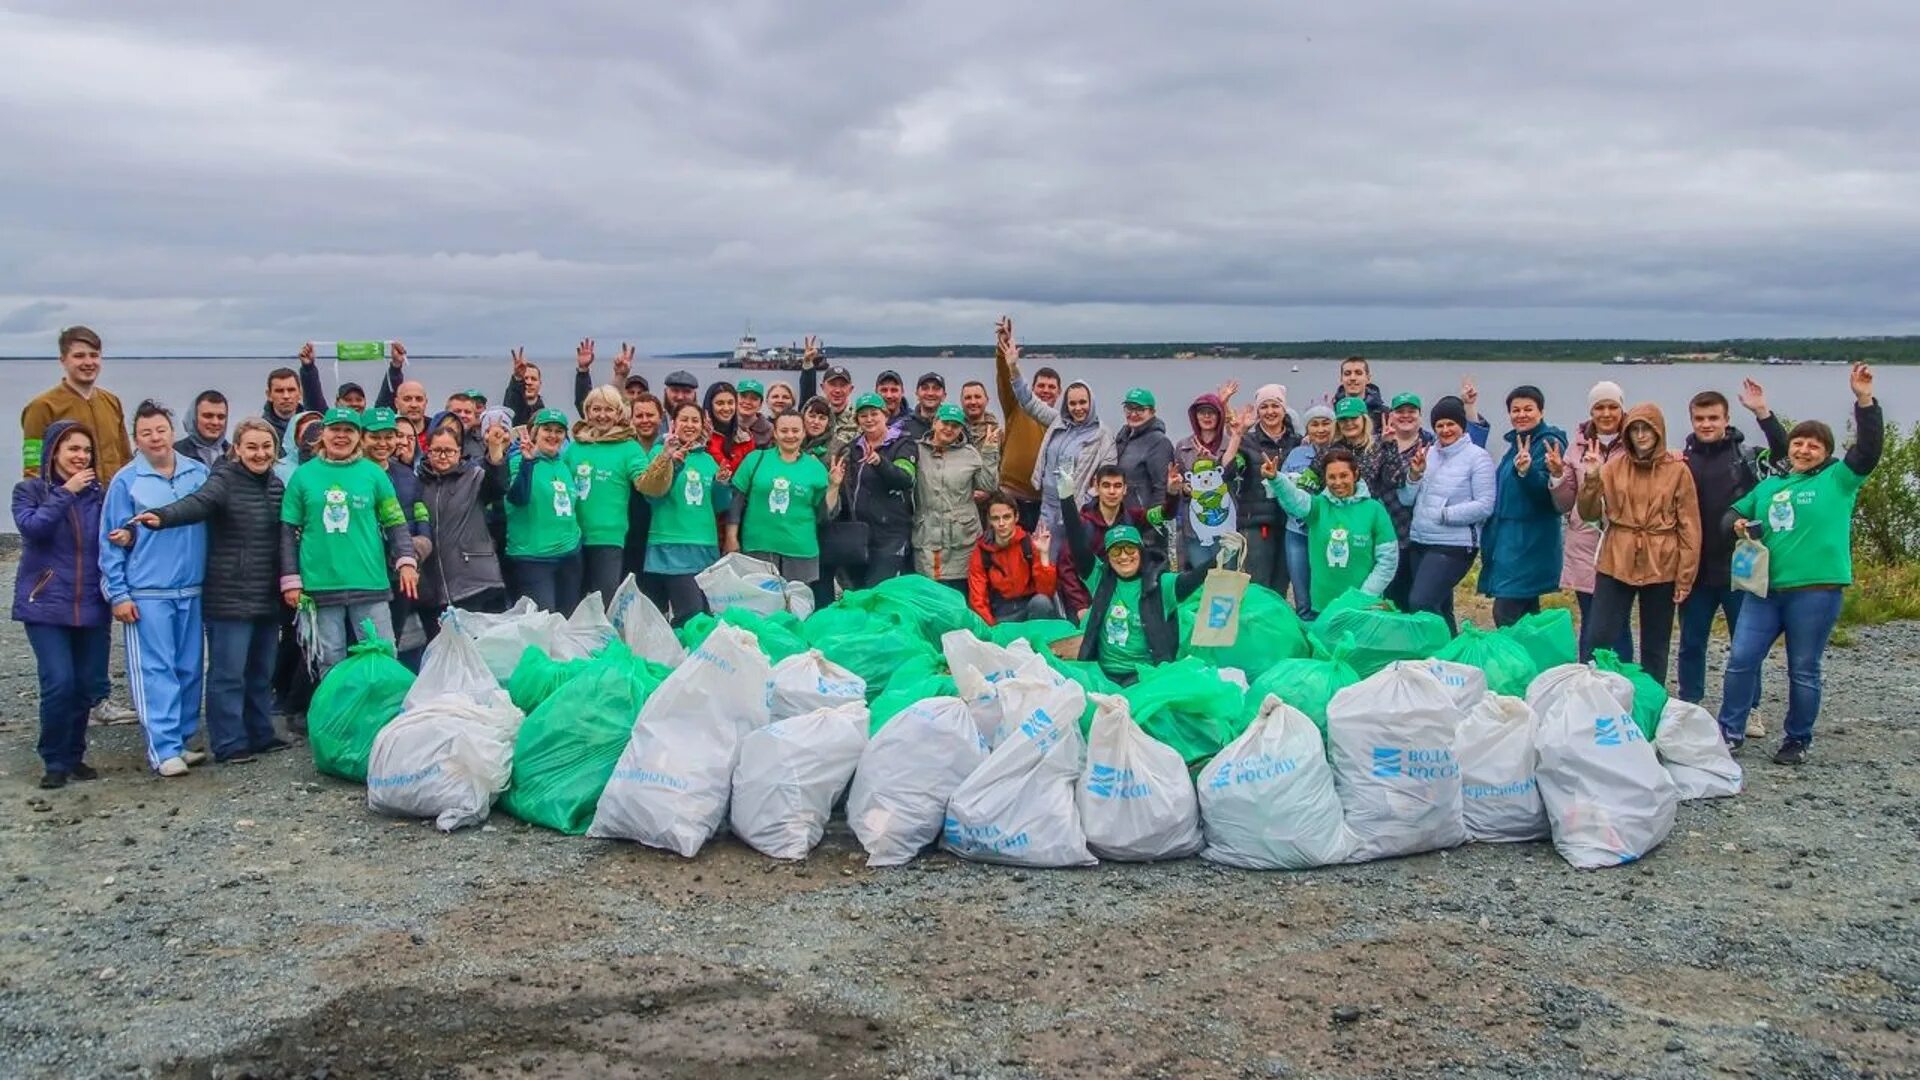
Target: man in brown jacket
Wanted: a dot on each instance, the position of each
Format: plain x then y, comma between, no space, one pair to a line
1020,446
79,398
1649,515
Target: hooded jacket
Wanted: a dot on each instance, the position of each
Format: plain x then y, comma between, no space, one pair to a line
1193,449
1520,544
1581,543
1144,453
1081,447
242,511
1005,578
210,454
313,398
1025,431
1651,512
1257,506
1376,405
946,519
1723,472
58,580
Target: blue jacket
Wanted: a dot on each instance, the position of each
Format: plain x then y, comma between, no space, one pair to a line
58,583
169,562
1520,544
1454,499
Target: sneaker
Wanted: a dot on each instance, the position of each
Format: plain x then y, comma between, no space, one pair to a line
273,746
108,713
1791,752
195,757
1755,729
1733,744
53,780
173,766
241,758
84,771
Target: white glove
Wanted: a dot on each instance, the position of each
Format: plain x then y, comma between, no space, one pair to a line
1065,485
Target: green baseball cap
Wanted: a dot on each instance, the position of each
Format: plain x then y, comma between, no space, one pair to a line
869,401
549,416
1142,397
1405,401
750,386
1122,534
1348,408
476,395
340,414
378,420
950,413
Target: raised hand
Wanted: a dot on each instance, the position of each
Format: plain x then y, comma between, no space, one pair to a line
519,355
1556,464
1238,422
1002,336
872,456
1174,477
1469,393
1419,464
622,364
583,354
1064,483
1269,468
1861,379
497,439
1592,458
1523,454
837,472
1042,542
399,354
526,448
810,350
1227,390
1754,397
991,440
724,476
78,482
306,353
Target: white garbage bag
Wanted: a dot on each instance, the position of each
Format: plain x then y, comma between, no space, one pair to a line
447,759
808,681
1267,800
1547,687
670,787
1502,798
739,581
503,639
646,632
586,631
799,596
908,771
1018,806
452,664
789,774
1689,745
1393,762
1465,683
979,667
1607,797
1136,800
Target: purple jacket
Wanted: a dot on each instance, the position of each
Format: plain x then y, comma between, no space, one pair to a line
59,578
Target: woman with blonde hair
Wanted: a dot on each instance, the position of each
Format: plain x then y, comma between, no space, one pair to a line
605,460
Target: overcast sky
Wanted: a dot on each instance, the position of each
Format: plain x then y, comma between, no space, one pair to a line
215,177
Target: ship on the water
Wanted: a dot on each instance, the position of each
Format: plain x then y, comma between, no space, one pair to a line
748,354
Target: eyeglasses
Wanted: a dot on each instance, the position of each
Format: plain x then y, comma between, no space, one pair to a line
442,451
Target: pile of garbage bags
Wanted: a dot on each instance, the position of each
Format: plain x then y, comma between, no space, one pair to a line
1366,735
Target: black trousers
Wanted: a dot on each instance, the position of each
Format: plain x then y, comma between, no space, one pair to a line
1437,569
1613,602
1507,612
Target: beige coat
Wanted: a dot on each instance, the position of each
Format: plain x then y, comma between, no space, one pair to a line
1647,511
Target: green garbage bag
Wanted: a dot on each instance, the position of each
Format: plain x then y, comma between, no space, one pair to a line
875,657
1269,631
1649,697
1306,684
778,634
537,676
1039,633
1188,706
1507,664
1374,635
695,630
839,620
356,699
1548,638
926,607
904,693
567,748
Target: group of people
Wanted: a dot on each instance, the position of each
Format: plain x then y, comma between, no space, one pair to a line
259,551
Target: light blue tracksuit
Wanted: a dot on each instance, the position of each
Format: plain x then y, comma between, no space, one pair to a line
161,574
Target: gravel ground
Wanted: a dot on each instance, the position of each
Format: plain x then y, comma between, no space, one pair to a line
257,920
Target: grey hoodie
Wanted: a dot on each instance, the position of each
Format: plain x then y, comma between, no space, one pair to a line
1083,447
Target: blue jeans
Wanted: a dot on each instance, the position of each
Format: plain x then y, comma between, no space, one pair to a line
240,655
1300,569
553,584
72,662
1696,626
1807,618
336,626
1622,646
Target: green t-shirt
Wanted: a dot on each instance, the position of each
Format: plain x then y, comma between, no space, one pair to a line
1806,521
686,514
603,476
342,510
1342,541
1123,637
547,525
785,503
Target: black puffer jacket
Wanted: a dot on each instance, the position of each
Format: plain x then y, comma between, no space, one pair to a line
242,510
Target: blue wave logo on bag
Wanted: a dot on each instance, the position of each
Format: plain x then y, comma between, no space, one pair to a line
1414,763
1222,776
1220,612
1615,730
1386,762
1041,729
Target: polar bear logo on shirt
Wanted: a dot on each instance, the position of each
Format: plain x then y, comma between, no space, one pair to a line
1780,517
336,517
781,497
562,499
582,481
1339,551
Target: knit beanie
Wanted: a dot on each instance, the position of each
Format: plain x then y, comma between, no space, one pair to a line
1448,408
1319,410
1270,392
1606,390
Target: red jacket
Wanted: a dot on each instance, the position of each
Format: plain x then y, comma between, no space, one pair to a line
1005,573
730,454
